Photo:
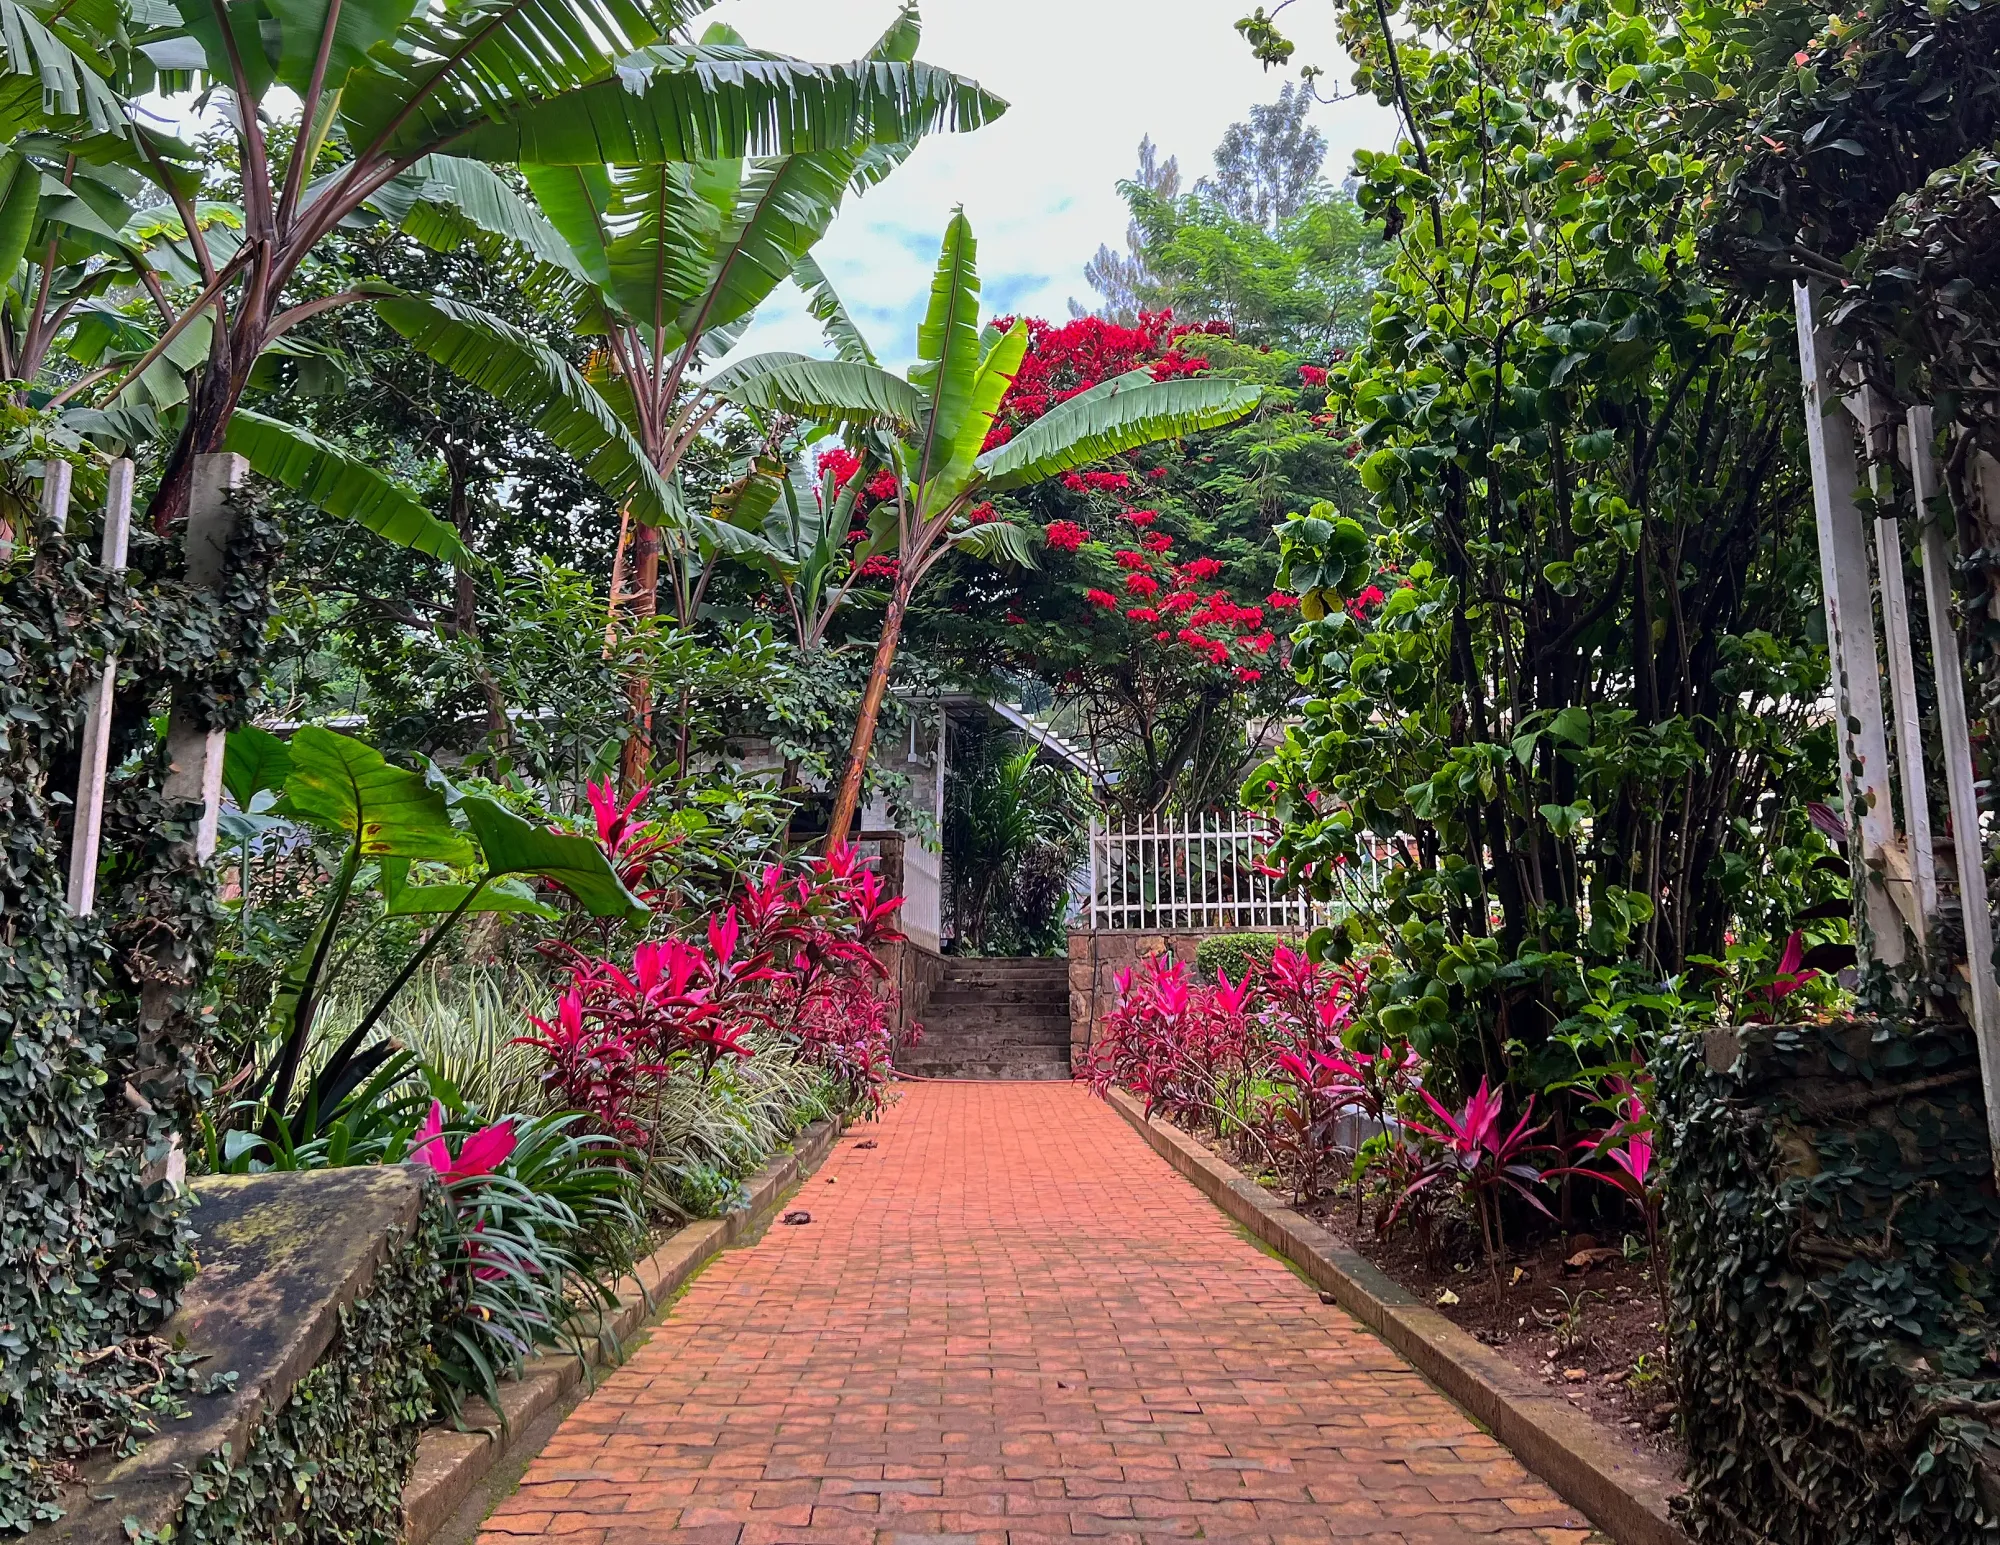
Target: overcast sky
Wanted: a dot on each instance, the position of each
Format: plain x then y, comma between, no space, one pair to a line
1085,79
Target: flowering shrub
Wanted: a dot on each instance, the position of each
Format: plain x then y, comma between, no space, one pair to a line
792,959
1472,1154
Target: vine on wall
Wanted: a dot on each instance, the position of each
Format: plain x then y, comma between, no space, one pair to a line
99,1034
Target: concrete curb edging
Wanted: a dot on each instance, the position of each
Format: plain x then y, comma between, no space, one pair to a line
1622,1491
451,1464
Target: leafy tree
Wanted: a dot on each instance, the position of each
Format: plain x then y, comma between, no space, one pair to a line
934,433
1120,277
1151,618
1014,835
1268,169
1583,722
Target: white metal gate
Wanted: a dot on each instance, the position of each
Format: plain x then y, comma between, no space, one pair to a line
1194,874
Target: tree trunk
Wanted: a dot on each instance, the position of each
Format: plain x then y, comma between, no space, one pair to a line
636,760
848,801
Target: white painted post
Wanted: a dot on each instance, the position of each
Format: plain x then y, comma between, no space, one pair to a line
92,774
194,751
1967,840
1843,561
1922,859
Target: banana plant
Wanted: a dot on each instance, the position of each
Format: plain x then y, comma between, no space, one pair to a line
670,260
931,430
382,85
396,820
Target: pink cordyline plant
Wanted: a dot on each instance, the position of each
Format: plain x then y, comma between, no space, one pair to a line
1474,1155
1626,1148
794,957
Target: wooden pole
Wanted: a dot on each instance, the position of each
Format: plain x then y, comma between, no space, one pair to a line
95,770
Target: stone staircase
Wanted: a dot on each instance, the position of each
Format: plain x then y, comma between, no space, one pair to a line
995,1019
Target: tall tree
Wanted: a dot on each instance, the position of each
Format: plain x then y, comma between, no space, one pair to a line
1125,278
1267,170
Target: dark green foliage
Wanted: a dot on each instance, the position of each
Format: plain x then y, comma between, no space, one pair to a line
1234,955
1834,1224
1014,836
92,1086
330,1466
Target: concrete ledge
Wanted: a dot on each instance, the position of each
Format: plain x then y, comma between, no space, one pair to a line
451,1464
1622,1490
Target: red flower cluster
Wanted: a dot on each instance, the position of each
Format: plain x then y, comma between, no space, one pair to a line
881,566
1142,517
840,466
1245,673
1201,568
1143,614
1074,356
1142,584
1312,375
1066,536
1281,600
1102,598
1128,559
881,486
1156,541
1364,603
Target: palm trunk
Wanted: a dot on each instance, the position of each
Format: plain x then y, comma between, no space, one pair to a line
636,760
848,801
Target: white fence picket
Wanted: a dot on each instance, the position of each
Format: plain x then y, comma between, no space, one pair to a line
1195,874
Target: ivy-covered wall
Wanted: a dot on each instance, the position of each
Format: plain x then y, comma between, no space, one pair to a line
1831,1202
99,1034
329,1466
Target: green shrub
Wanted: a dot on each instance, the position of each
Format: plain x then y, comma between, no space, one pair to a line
1234,953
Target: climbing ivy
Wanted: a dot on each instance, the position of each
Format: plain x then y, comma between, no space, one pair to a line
99,1034
330,1466
1835,1226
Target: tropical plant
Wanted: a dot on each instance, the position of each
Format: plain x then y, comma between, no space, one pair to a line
1014,837
934,432
1475,1157
1585,717
409,107
667,259
392,820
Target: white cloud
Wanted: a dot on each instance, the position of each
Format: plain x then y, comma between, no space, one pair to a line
1085,79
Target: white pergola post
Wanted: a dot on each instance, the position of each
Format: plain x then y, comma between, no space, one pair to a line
1850,627
194,750
95,770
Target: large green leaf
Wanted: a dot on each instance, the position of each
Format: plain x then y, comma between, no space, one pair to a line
18,204
443,201
830,311
442,898
358,26
996,373
667,222
1118,416
948,347
784,209
671,102
342,785
831,391
342,484
543,387
577,201
514,846
46,78
254,760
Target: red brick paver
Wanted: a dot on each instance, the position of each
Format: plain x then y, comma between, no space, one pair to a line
1011,1322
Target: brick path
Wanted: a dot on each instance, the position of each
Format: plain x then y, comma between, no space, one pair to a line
1011,1322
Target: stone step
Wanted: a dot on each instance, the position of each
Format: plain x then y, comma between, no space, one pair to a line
977,1019
973,997
1009,1070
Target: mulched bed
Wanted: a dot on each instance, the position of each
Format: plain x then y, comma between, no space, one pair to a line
1574,1312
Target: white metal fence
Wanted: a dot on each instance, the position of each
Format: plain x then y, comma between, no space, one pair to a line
1194,873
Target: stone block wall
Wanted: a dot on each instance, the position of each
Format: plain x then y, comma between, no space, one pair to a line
1097,955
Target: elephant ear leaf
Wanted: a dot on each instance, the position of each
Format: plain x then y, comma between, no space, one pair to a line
254,760
516,847
341,785
507,895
